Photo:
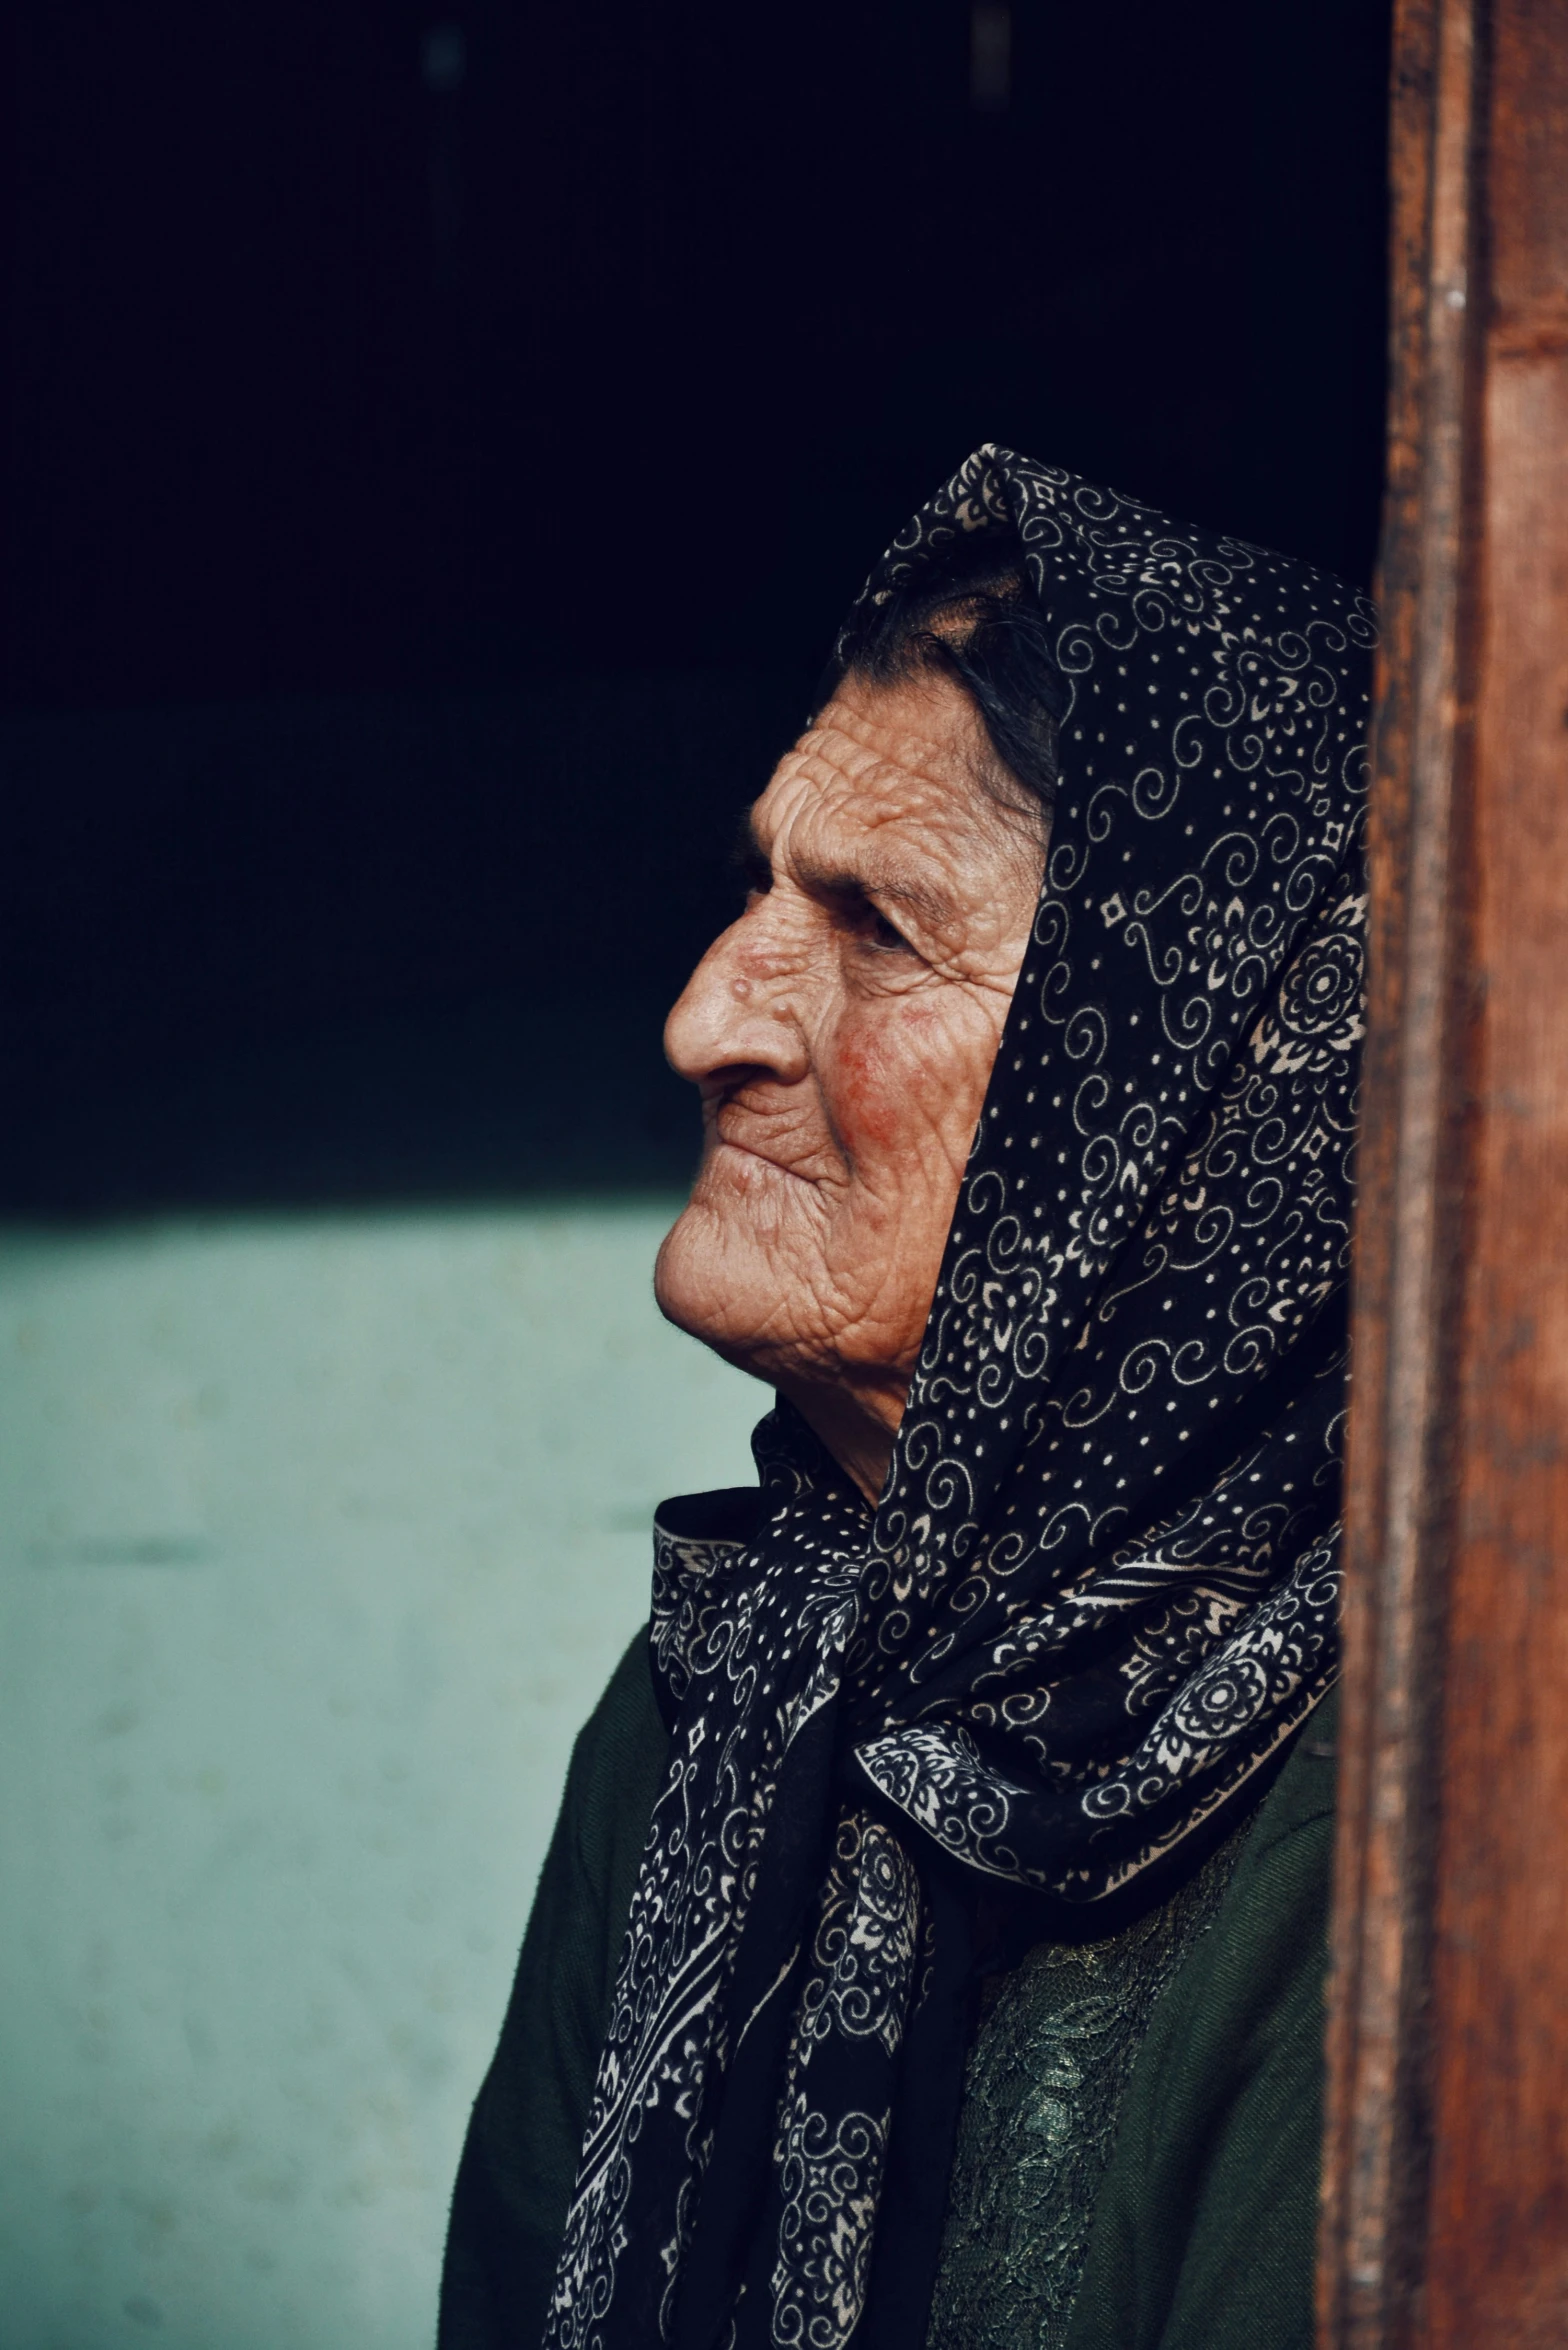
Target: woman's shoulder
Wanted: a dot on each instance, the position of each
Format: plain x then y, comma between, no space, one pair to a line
1304,1791
624,1723
1281,1881
617,1768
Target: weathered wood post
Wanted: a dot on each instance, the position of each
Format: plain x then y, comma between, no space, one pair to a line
1445,2220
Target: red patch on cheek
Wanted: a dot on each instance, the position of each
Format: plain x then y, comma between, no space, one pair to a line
878,1078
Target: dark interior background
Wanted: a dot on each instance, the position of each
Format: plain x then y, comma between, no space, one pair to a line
438,446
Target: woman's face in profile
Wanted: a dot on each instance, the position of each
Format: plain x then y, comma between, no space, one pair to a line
842,1033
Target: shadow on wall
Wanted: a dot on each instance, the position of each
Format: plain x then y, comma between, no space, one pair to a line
317,1540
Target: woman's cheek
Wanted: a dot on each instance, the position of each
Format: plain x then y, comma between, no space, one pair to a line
901,1074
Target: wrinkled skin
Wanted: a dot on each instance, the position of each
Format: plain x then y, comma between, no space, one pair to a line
842,1033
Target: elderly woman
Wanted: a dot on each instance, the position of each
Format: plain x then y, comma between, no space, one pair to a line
931,1946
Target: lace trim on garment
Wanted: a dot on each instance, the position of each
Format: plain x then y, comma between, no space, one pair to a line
1042,2097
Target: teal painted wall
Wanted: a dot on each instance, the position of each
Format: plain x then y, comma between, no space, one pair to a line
317,1539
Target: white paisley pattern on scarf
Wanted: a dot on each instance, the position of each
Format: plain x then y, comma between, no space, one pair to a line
1100,1589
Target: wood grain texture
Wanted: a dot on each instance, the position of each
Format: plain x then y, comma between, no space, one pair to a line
1498,2266
1446,2153
1403,1400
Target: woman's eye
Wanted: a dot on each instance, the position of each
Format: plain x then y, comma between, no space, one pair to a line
882,934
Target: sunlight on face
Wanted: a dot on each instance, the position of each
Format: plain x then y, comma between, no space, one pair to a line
842,1034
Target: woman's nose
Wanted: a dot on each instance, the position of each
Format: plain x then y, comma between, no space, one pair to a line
739,1009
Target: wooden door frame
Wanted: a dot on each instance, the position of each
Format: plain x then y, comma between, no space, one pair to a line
1445,2211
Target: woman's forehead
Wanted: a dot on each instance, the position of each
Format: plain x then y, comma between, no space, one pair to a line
900,757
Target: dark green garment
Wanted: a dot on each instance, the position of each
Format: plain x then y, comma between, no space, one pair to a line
1202,2229
1048,2072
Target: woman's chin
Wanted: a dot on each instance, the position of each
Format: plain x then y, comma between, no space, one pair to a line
705,1280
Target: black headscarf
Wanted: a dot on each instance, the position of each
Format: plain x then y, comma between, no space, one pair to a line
1099,1592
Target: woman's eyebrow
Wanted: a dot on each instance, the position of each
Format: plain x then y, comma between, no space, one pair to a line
846,883
874,880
